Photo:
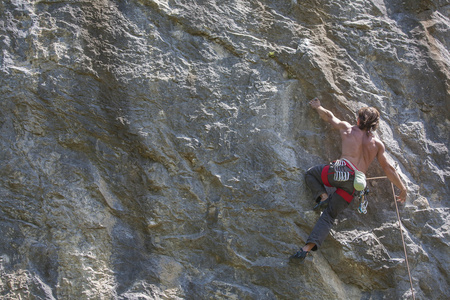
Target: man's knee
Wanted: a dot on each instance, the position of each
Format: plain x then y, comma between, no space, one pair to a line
315,171
336,206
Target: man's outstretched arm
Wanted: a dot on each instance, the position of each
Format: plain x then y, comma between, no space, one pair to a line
328,116
391,173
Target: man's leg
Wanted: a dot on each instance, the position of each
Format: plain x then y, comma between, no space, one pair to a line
313,178
326,221
308,247
323,226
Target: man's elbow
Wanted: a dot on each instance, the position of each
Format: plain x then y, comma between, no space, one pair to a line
330,115
327,116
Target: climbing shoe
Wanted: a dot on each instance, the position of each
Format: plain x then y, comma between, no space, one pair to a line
299,256
322,204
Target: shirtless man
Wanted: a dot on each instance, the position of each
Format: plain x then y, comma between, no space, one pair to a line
359,148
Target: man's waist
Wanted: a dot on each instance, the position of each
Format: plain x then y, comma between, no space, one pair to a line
348,163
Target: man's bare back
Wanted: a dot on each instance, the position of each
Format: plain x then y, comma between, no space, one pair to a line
360,147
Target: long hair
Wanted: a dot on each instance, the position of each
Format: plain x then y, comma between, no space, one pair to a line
369,118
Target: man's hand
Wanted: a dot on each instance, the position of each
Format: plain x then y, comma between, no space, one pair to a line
315,103
328,116
402,197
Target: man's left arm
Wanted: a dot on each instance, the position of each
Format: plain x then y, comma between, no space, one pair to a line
391,173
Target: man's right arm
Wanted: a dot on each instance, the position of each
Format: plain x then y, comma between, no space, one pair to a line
390,172
328,116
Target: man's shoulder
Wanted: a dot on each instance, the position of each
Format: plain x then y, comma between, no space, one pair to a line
379,144
347,127
376,139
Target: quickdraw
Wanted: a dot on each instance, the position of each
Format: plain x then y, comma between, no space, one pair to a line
364,202
340,174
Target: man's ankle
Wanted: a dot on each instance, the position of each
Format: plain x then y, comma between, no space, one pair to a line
308,247
323,197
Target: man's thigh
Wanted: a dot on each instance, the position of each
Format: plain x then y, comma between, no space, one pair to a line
337,205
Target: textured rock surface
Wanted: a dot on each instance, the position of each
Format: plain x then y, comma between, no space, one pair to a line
155,149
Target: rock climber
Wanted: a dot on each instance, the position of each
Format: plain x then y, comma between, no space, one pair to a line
359,148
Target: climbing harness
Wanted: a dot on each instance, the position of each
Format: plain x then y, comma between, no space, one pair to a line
339,172
345,195
362,209
401,233
359,183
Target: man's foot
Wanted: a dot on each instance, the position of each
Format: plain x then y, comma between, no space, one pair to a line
322,204
299,256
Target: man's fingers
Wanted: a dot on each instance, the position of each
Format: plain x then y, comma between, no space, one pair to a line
402,197
399,199
314,102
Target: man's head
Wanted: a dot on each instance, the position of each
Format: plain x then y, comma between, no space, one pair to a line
368,118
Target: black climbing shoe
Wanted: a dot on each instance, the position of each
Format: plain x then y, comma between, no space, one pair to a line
299,256
322,204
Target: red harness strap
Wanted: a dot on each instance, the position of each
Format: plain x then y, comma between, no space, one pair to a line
324,175
347,197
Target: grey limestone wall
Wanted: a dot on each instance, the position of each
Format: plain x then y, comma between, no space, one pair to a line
155,149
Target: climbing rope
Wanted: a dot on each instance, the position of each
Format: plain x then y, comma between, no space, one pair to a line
403,241
381,177
401,233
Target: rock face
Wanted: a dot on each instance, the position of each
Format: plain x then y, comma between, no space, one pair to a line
155,149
